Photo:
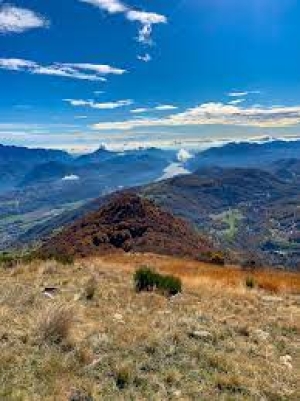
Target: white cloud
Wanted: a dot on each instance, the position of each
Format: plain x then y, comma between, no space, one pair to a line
183,156
101,69
16,64
173,170
145,58
236,101
161,107
139,110
111,6
216,114
145,35
17,20
146,19
242,94
165,107
100,106
71,177
80,71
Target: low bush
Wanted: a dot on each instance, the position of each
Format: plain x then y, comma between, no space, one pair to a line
53,324
250,282
148,280
170,285
64,259
11,260
61,258
122,378
145,279
217,258
7,261
89,289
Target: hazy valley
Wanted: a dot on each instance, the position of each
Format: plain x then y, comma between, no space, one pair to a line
243,197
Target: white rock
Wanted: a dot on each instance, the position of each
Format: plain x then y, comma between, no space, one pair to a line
286,360
177,393
77,297
261,335
201,335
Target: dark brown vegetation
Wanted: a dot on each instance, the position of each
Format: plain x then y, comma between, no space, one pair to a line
129,223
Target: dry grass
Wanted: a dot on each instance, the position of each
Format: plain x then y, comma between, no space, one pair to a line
53,323
196,273
218,340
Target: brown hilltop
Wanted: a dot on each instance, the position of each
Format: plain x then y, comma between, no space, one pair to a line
128,223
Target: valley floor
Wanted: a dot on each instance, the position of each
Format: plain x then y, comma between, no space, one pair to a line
82,333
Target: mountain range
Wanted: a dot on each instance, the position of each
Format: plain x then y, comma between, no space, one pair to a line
243,197
246,154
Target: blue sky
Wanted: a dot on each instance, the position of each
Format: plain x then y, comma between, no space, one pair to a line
77,73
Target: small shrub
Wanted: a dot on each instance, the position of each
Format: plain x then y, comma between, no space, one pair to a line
230,383
89,289
11,260
216,258
250,282
64,259
61,258
170,285
251,264
27,258
122,378
148,280
8,261
53,324
145,279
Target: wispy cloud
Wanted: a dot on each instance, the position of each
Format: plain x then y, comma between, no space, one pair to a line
215,114
82,71
145,58
17,20
100,106
165,107
161,107
111,6
146,19
236,101
243,94
34,126
101,69
139,110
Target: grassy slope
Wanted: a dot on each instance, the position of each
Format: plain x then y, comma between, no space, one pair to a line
124,345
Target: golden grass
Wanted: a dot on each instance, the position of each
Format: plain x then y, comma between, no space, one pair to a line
122,345
198,273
